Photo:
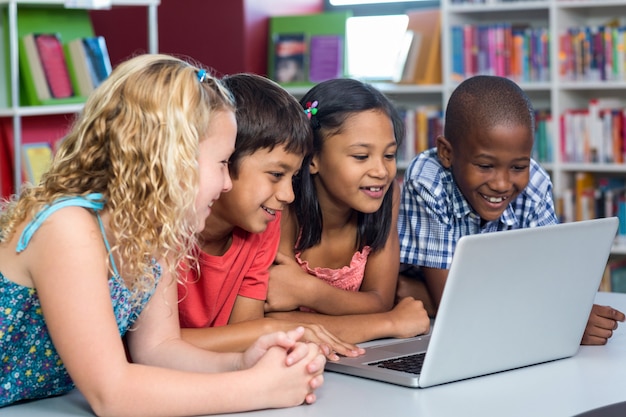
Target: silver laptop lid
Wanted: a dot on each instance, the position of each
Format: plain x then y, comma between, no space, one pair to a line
517,298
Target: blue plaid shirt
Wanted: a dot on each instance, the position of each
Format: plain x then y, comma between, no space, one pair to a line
434,214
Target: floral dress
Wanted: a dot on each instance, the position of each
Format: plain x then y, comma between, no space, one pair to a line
30,365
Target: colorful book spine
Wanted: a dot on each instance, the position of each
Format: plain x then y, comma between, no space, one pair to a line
594,134
98,55
519,53
593,53
32,72
54,64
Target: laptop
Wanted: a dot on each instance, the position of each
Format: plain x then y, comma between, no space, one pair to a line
512,299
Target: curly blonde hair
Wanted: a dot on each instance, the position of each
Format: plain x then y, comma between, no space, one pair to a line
136,142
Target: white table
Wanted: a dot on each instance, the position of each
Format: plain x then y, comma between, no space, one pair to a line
594,377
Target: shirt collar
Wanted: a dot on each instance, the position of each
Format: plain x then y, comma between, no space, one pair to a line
462,209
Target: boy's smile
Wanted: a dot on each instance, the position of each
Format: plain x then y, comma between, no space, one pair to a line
491,168
262,187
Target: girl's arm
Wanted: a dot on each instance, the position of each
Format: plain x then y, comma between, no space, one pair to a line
245,327
66,260
408,318
291,287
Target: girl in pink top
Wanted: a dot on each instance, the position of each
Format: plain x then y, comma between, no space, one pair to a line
339,252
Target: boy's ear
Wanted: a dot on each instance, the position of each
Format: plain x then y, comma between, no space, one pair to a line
314,165
444,151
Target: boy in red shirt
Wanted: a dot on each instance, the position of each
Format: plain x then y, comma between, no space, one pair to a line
222,309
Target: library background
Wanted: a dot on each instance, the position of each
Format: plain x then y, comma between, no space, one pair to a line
568,55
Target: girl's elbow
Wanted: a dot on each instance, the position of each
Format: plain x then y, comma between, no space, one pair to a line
105,402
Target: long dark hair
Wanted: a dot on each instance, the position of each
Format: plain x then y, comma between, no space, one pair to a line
338,99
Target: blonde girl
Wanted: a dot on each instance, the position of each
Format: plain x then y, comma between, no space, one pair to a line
88,259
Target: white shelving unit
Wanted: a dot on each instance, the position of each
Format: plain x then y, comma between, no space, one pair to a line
16,112
555,94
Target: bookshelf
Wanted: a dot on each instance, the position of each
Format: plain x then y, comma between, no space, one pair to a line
563,89
549,89
11,106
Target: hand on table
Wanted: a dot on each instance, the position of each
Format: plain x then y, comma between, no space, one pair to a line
603,320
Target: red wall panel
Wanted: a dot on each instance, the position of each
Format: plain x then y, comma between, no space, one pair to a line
227,35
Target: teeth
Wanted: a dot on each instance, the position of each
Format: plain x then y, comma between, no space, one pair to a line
374,189
269,210
495,199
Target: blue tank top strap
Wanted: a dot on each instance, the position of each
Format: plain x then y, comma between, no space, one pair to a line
94,201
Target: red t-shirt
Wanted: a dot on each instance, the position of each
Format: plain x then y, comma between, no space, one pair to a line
242,270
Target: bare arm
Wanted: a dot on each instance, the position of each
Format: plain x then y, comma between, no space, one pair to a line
408,318
71,280
247,324
435,282
291,287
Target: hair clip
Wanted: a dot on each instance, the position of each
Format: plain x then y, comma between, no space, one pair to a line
311,109
202,75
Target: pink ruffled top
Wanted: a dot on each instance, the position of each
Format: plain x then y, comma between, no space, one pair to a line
348,277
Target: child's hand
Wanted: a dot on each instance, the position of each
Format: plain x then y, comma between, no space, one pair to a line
602,322
330,345
295,351
284,284
409,318
286,386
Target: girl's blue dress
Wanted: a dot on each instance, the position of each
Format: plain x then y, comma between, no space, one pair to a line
30,365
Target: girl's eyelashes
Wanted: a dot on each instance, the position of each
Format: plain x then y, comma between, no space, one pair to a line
360,157
277,175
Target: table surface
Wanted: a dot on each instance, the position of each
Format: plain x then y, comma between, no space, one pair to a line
593,378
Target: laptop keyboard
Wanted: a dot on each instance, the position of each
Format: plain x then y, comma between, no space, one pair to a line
411,364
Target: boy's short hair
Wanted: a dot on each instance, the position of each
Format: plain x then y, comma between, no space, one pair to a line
267,116
483,102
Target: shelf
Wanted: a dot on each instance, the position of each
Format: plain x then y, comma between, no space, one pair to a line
10,70
41,110
581,4
592,167
392,90
592,85
497,7
619,246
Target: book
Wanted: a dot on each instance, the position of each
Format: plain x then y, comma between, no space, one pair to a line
69,24
459,51
326,57
36,158
98,55
427,22
307,49
48,129
54,65
290,51
31,65
406,64
614,278
80,68
584,196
